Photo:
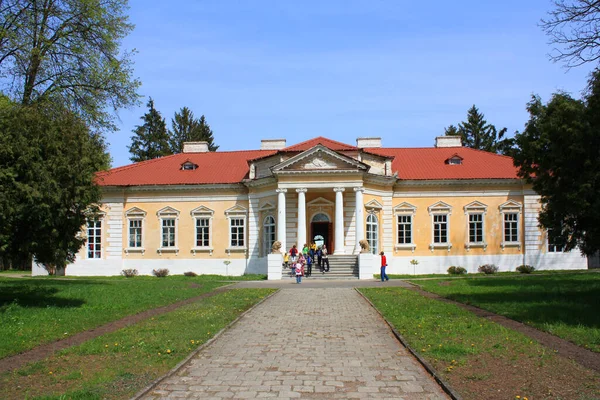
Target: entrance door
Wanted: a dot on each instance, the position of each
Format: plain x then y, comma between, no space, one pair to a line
320,231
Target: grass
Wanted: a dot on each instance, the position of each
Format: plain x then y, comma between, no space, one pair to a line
565,305
117,365
37,311
507,273
480,358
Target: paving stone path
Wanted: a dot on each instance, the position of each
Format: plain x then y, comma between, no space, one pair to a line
311,343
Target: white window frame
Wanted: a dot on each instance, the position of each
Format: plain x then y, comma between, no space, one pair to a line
163,215
237,212
405,210
266,243
440,208
100,219
475,208
549,245
511,207
373,244
135,214
197,214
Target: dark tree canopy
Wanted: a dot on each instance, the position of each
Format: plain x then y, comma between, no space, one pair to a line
186,128
68,51
47,166
574,28
478,134
150,140
558,153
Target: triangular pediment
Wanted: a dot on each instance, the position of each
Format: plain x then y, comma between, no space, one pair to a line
510,205
319,158
237,209
320,201
134,211
202,210
167,211
475,205
267,206
373,205
440,206
405,207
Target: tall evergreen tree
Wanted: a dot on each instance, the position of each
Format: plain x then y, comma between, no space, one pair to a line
186,128
150,140
558,153
48,163
478,134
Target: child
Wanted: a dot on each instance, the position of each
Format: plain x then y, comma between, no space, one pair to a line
286,260
298,266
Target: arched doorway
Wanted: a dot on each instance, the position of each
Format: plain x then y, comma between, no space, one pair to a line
321,230
373,233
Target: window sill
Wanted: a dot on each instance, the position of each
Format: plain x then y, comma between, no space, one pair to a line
434,246
135,250
168,250
483,245
510,244
406,246
230,250
208,250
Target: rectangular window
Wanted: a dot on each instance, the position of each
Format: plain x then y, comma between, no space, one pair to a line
554,245
168,232
94,234
202,232
475,228
440,228
237,232
135,233
404,229
511,227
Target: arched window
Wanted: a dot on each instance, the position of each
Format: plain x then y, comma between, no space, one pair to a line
268,234
373,233
320,217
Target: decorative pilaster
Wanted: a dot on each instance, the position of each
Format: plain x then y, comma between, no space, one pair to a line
301,217
281,231
339,220
360,227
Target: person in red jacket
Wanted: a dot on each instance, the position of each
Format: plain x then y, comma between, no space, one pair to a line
383,265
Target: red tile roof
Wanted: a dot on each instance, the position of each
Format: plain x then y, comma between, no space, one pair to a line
213,167
330,144
429,163
232,167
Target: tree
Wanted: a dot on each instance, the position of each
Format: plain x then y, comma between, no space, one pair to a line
186,128
150,139
48,163
68,51
558,153
574,26
478,134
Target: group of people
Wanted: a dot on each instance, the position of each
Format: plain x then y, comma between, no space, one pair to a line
300,262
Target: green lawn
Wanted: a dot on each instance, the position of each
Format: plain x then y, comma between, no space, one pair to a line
118,364
40,310
565,304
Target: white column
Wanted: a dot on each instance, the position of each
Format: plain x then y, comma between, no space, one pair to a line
281,233
360,218
301,217
339,221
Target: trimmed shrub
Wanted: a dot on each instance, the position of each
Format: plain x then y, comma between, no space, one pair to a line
488,269
190,273
160,273
525,269
456,270
129,273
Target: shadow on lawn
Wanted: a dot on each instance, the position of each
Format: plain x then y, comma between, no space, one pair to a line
39,294
538,300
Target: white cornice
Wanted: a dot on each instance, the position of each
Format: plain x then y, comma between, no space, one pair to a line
277,169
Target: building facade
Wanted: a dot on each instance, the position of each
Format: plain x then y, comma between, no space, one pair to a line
220,212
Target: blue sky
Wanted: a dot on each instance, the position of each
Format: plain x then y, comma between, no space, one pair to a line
294,69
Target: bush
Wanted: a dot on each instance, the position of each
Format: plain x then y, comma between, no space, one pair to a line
456,270
160,273
488,269
129,273
525,269
190,273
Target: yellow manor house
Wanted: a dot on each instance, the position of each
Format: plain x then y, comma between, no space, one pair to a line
220,212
